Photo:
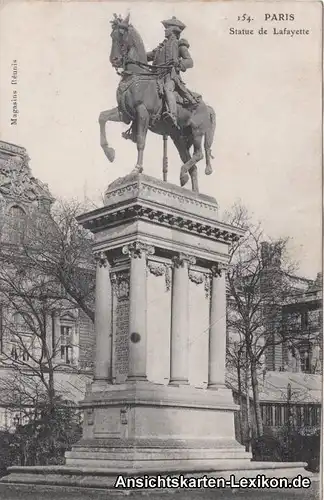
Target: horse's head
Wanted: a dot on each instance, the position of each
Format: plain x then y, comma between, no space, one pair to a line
124,40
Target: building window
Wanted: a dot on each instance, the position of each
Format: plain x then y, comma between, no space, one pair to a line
278,415
307,415
66,344
14,353
22,337
19,353
268,415
314,416
17,224
66,354
23,323
299,420
314,319
293,320
66,331
305,357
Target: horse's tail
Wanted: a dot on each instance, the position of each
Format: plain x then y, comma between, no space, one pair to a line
209,138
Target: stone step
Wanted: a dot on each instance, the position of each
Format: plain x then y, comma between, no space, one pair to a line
149,454
99,477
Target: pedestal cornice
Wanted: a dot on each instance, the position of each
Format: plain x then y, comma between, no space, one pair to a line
145,393
140,197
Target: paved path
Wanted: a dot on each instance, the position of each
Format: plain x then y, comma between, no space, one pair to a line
22,492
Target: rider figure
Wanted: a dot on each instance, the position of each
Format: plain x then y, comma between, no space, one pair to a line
175,50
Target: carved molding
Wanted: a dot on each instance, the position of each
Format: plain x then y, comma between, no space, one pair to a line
90,416
137,250
124,415
168,278
218,269
196,277
160,269
160,190
16,179
207,284
183,259
120,284
156,268
101,259
224,235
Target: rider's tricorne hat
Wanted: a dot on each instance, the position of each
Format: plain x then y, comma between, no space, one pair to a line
174,23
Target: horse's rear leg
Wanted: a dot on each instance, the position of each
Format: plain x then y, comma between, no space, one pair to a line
209,137
111,115
194,178
197,156
142,122
183,148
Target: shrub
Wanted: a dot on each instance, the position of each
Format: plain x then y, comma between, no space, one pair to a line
289,445
42,441
8,450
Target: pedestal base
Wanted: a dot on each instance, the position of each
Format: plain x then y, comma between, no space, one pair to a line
141,425
140,428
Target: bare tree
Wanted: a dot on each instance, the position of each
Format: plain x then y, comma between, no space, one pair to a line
58,249
237,364
259,284
46,269
33,358
28,302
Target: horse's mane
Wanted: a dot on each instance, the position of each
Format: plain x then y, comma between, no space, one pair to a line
138,43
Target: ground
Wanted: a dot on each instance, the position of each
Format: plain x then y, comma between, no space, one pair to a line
12,492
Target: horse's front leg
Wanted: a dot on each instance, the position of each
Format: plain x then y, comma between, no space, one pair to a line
111,115
142,123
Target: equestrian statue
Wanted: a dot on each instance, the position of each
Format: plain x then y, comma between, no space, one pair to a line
154,97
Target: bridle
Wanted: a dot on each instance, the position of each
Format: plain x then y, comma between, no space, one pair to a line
152,70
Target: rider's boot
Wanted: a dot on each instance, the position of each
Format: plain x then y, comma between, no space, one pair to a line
172,105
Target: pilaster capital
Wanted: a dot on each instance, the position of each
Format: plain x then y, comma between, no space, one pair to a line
137,250
160,269
101,259
183,260
218,269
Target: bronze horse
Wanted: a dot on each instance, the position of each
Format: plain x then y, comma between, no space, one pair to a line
140,102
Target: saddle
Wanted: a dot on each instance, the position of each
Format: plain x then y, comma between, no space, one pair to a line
191,101
188,103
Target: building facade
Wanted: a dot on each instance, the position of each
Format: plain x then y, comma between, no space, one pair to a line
290,369
298,325
68,330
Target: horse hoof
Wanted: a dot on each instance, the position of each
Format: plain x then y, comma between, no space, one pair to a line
138,169
208,170
109,152
184,179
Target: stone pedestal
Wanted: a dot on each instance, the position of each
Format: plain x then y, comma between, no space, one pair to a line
147,230
158,402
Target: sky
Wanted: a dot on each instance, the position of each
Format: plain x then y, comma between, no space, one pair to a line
266,92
